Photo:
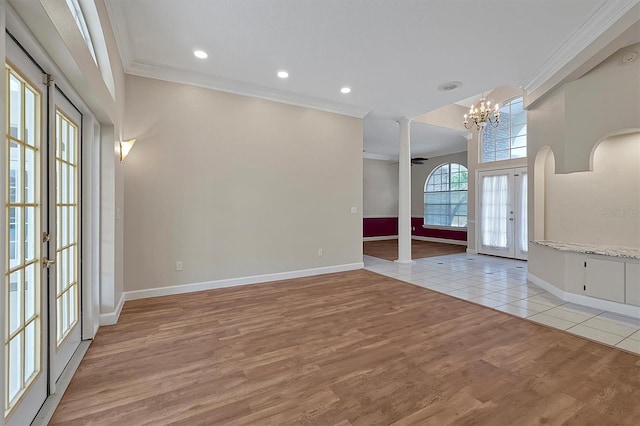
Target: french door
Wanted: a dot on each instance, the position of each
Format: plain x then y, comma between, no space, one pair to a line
502,213
65,184
42,255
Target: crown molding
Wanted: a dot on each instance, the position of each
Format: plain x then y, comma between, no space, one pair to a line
174,75
118,20
602,18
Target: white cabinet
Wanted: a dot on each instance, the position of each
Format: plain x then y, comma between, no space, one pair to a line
605,279
632,283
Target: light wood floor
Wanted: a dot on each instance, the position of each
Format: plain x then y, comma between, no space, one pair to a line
388,249
340,349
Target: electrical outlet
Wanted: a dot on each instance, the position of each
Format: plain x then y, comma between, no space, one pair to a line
354,210
320,252
179,265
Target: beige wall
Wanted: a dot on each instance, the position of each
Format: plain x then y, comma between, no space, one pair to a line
594,195
419,174
600,206
380,188
572,121
235,186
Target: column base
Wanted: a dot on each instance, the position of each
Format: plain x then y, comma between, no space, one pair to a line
404,262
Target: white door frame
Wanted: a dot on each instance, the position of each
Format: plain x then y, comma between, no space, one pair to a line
91,210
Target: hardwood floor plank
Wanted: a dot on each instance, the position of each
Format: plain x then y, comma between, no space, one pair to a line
353,348
388,249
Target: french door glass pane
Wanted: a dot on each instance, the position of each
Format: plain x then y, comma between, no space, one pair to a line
30,176
495,205
31,115
30,292
30,233
15,108
30,343
15,366
15,301
524,235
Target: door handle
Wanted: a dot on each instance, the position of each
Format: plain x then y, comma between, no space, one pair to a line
511,219
46,262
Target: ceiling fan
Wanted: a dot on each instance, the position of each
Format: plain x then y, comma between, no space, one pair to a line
418,160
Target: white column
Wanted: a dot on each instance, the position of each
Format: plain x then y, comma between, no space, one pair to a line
404,194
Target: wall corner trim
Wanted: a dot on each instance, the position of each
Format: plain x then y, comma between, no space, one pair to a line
472,251
233,282
591,302
111,318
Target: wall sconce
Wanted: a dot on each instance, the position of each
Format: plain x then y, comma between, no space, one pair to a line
125,147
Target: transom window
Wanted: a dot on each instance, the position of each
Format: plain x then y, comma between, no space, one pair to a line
509,139
445,196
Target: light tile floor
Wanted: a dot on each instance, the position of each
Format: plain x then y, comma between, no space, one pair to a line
502,284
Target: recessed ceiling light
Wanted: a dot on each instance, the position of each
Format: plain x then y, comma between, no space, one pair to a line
345,90
449,85
200,54
283,74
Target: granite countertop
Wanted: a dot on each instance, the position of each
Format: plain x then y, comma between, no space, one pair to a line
613,251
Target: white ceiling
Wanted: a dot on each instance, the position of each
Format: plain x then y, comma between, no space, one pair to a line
393,54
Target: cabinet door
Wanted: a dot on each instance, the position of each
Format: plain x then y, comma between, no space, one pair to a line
632,283
605,280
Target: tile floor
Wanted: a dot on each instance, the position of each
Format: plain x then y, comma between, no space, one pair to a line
502,284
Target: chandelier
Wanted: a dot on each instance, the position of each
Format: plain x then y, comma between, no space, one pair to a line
482,115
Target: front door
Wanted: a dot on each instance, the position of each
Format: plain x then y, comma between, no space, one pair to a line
502,216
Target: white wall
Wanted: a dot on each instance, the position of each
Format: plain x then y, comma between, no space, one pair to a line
235,186
600,206
380,188
419,174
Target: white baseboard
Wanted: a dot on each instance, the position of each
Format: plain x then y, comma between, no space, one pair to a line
111,318
439,240
232,282
591,302
472,251
382,238
418,238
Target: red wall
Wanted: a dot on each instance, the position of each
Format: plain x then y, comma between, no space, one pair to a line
449,234
387,226
380,226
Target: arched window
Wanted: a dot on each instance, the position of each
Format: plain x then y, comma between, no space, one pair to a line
445,196
509,139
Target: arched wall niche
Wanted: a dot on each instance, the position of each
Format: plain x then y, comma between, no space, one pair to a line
601,206
607,138
536,209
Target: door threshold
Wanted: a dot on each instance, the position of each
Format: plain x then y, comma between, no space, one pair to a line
51,403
